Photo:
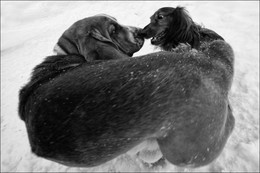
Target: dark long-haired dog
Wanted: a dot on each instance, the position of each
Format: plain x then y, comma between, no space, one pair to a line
171,26
79,114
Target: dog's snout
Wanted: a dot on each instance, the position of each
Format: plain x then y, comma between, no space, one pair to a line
134,30
144,32
141,33
133,36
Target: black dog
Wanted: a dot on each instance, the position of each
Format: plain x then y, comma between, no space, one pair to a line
171,26
80,114
89,41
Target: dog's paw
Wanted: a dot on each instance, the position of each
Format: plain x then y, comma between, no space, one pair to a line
158,164
150,156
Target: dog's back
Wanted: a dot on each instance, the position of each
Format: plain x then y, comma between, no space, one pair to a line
181,99
50,68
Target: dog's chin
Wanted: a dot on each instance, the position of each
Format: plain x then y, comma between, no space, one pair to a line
156,40
139,42
130,54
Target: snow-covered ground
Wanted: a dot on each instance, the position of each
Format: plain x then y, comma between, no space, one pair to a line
29,30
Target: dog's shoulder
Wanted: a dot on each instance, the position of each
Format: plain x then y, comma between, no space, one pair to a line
56,64
209,35
51,67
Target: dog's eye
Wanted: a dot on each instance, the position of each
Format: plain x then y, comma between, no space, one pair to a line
112,29
160,16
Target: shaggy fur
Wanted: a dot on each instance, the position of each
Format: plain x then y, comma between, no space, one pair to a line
82,114
87,42
171,26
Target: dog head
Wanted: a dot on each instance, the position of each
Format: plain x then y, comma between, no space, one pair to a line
85,36
167,23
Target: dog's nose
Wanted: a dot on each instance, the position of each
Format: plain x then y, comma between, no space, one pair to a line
142,33
136,31
145,32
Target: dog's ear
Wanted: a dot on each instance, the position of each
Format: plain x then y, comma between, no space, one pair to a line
97,35
58,50
181,18
66,45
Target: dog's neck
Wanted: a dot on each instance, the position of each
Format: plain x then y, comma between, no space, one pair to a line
189,36
57,50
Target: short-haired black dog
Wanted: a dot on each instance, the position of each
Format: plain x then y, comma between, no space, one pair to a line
80,114
171,26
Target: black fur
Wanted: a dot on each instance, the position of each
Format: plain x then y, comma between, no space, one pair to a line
79,114
175,28
179,28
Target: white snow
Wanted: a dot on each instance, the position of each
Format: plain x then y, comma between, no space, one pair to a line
29,31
